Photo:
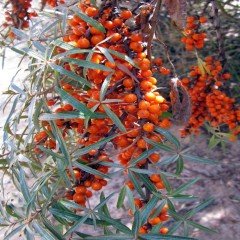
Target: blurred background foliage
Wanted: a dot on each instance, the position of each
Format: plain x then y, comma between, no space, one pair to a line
222,27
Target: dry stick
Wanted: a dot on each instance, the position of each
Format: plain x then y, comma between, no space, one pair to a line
220,39
153,24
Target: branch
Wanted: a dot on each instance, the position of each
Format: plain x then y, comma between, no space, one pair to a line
153,24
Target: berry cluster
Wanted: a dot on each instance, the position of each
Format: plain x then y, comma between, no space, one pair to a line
19,15
194,39
208,101
131,96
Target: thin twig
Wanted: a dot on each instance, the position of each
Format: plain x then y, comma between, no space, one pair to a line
153,24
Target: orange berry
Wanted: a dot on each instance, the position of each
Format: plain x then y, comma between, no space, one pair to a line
130,185
91,11
144,105
80,189
96,186
202,19
155,178
154,157
130,98
143,113
159,185
95,39
128,83
83,43
126,14
148,127
154,221
77,174
79,198
164,230
141,143
150,96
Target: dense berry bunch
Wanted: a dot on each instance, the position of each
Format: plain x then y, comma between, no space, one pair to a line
131,95
194,38
20,14
209,102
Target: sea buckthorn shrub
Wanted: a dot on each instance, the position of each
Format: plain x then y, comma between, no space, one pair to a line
95,113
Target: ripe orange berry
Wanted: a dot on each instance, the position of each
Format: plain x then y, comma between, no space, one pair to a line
88,194
96,186
77,174
95,39
150,96
154,158
40,136
116,37
117,22
164,230
148,127
128,83
159,185
79,198
144,105
155,178
91,11
143,113
130,185
202,19
126,14
130,98
80,189
83,43
141,143
154,221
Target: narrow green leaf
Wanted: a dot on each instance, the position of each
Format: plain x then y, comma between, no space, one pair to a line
104,87
90,170
136,222
114,118
201,227
184,186
158,145
146,181
163,237
106,53
74,102
180,166
45,234
198,208
144,155
76,225
166,183
70,74
198,159
97,145
23,185
87,64
51,228
123,57
115,223
169,160
130,199
169,136
121,197
14,231
136,184
148,208
91,21
111,237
